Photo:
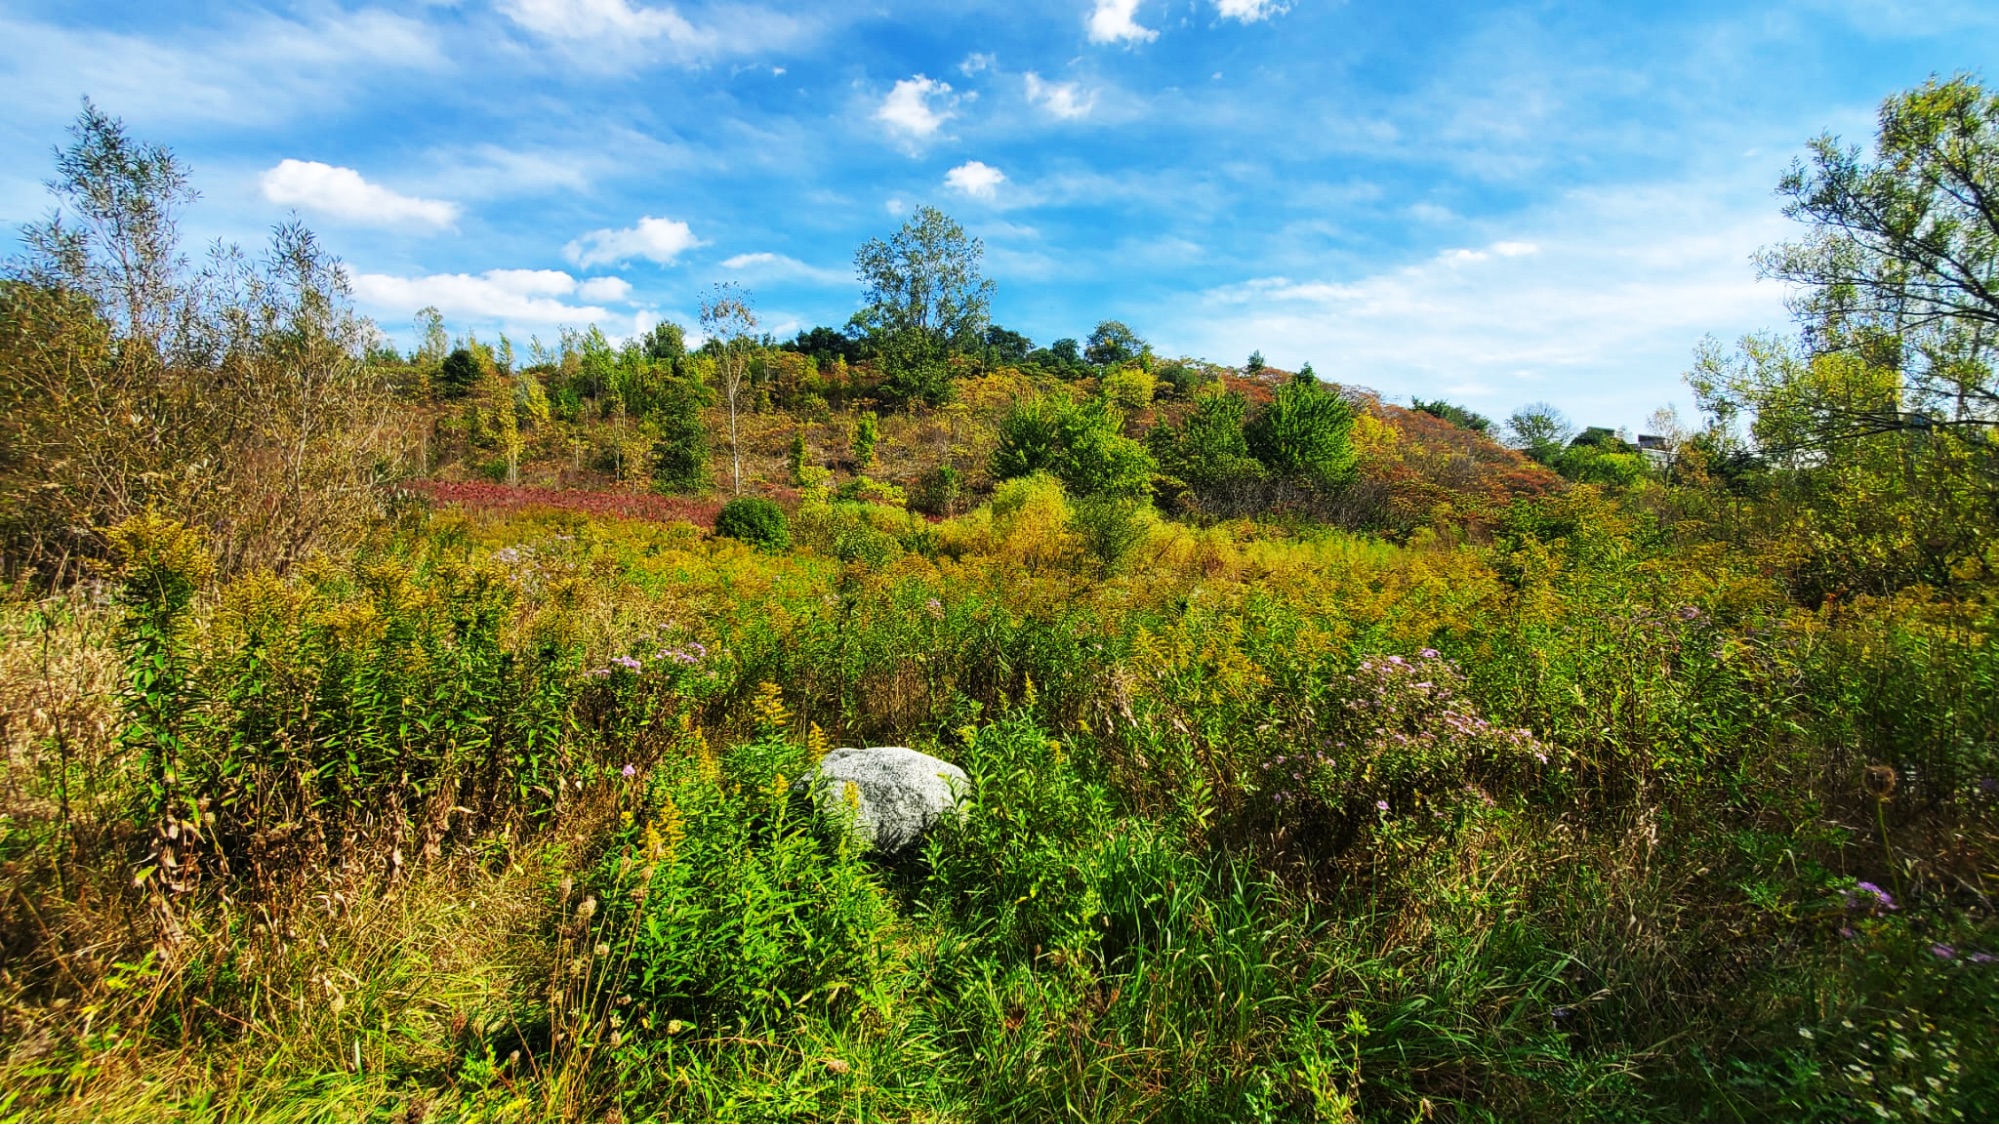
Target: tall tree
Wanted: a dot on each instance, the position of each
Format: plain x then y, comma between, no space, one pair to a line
1112,343
926,300
730,323
1540,431
1900,267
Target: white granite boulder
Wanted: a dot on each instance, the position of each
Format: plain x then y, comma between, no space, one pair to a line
896,794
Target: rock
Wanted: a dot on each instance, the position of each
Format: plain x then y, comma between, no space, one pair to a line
899,793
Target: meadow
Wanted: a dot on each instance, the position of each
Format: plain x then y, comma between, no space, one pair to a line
1329,760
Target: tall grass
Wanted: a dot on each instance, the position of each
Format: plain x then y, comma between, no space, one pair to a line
499,819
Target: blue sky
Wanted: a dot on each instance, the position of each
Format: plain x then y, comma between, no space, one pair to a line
1496,203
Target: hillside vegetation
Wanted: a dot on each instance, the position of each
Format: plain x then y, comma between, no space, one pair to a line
415,735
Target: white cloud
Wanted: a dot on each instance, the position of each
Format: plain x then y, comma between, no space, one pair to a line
975,178
608,34
658,240
1598,313
908,107
775,267
1250,11
976,62
603,289
533,297
1112,21
597,19
246,69
343,194
1063,99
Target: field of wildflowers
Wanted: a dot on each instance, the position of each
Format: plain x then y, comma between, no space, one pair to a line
494,819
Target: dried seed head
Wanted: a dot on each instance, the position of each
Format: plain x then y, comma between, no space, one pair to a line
585,909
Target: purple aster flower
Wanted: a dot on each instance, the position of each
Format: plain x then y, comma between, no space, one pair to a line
1982,958
1943,952
631,662
1382,805
630,771
1429,654
1886,900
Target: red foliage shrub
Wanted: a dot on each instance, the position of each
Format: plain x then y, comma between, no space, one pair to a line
482,496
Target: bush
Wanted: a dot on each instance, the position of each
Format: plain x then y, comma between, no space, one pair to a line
1303,434
1130,389
867,490
1110,527
939,490
1079,443
756,521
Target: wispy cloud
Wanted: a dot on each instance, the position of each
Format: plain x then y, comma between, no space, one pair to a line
1250,11
614,33
1600,309
917,107
656,240
531,297
343,194
1115,21
975,178
1063,99
247,69
766,266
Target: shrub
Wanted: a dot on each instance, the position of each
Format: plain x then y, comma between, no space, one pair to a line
679,455
1209,453
1079,443
939,490
1303,434
1109,527
756,521
867,490
1130,389
866,432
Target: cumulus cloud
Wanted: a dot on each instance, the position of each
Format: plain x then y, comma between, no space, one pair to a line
975,178
909,108
976,62
657,240
1250,11
1063,99
603,289
510,296
1114,21
343,194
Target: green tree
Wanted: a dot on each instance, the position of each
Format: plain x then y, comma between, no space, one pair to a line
1208,451
1453,413
926,300
679,461
867,430
1112,343
1304,433
1901,263
1081,444
666,341
460,371
1540,431
1255,364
